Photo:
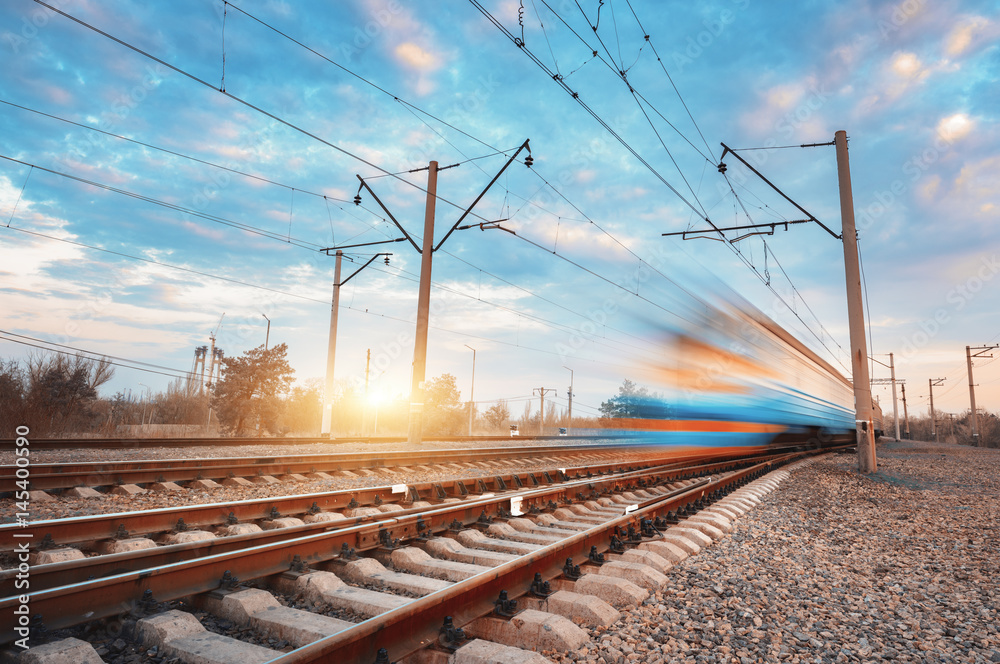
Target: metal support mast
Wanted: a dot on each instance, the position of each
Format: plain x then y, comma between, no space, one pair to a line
472,389
416,423
540,391
331,351
416,428
980,352
569,395
892,380
931,382
906,415
867,462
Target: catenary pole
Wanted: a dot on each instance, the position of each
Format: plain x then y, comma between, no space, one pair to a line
895,408
416,427
906,415
972,398
331,351
569,396
864,426
980,352
540,391
472,389
931,383
364,409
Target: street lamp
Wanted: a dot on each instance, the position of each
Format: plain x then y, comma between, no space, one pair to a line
472,390
570,423
268,337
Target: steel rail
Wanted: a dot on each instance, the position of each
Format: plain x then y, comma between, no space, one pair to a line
132,443
98,527
109,596
48,476
416,625
64,573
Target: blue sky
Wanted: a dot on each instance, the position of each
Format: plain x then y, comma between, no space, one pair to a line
914,84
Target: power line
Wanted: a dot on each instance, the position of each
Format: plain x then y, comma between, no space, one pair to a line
670,78
576,97
291,125
622,75
366,81
177,373
305,244
320,301
246,103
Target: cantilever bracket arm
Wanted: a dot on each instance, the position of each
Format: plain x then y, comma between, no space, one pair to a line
327,250
488,225
524,146
726,149
398,225
982,350
772,225
362,267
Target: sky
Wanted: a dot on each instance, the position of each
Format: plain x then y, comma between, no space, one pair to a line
191,163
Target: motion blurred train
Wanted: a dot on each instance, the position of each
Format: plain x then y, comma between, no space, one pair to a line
735,380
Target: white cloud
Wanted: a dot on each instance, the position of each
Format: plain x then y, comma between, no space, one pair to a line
968,32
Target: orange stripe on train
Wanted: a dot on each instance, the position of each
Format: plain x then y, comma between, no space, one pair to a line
717,426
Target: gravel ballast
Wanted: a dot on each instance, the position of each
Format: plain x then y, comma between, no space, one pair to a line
835,566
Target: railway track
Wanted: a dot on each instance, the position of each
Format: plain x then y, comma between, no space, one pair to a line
139,443
60,476
544,528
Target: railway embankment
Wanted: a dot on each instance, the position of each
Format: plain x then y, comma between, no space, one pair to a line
834,566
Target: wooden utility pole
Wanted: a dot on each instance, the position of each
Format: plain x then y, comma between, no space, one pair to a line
331,351
864,425
416,428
